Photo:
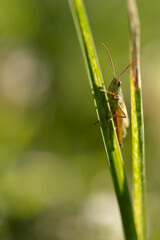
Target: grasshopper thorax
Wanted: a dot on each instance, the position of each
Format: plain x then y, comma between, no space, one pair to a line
115,86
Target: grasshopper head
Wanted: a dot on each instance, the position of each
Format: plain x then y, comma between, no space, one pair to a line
115,86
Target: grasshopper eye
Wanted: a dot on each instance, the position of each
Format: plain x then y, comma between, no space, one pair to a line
119,83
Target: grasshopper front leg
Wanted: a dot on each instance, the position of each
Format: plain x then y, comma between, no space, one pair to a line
115,95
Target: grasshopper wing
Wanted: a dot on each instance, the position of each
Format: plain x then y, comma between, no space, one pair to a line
125,120
118,124
121,122
118,121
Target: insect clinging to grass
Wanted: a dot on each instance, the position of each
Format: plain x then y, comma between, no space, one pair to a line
117,104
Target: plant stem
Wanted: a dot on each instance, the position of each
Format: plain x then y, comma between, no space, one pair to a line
139,182
109,136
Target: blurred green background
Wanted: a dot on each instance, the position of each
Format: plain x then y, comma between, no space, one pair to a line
54,179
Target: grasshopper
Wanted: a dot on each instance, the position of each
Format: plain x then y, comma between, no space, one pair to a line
117,104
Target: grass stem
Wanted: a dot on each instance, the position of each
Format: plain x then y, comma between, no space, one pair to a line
109,136
138,156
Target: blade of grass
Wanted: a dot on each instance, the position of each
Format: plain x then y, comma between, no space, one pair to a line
109,136
138,157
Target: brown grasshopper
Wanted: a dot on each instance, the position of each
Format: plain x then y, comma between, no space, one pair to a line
117,104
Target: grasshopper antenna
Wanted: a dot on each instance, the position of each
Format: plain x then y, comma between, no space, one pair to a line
126,69
109,59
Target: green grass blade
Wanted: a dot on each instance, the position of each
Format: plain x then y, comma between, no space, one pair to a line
137,124
109,136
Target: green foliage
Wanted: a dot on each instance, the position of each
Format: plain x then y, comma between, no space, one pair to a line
108,133
138,156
